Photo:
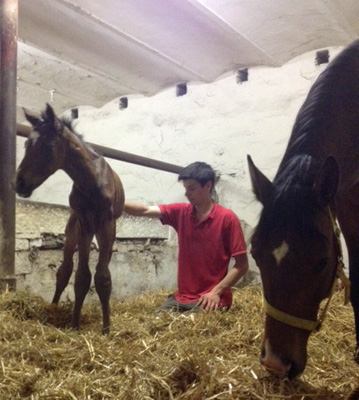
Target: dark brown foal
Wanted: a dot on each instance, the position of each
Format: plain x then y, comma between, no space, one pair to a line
96,201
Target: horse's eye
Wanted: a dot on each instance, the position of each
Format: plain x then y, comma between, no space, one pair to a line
26,143
323,262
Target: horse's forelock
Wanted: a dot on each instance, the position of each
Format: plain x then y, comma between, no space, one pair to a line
292,206
296,176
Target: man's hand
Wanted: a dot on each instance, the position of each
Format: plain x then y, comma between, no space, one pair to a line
209,301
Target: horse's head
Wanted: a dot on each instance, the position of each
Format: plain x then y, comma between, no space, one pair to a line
296,250
44,152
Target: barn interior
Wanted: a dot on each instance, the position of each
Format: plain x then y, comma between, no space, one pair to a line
88,53
173,81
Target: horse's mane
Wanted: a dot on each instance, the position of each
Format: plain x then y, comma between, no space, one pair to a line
336,86
292,204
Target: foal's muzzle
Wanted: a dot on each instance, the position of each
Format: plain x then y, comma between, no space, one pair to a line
21,188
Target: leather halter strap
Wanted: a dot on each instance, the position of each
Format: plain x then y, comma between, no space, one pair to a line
307,324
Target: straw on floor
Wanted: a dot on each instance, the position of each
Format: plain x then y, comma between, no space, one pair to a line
166,356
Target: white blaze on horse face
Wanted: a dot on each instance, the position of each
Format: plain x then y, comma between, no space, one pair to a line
280,252
33,137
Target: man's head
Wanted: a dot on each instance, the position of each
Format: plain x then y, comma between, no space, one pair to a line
198,179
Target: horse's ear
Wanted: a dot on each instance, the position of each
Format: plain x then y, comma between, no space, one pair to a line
52,118
326,182
31,117
262,186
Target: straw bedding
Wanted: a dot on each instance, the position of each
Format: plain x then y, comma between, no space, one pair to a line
162,356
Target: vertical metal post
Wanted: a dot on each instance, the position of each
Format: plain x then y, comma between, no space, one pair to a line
8,72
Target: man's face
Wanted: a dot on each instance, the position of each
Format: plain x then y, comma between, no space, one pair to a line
195,193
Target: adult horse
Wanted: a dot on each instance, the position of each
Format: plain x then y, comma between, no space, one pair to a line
96,201
295,243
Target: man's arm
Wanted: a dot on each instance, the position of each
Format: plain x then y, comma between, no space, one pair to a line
140,210
210,301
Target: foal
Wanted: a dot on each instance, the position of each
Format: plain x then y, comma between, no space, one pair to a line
96,201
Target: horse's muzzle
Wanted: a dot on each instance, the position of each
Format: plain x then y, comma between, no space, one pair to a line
284,368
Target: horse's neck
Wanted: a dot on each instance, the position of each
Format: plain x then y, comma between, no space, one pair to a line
81,163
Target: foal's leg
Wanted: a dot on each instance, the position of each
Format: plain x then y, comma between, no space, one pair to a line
105,239
65,270
83,274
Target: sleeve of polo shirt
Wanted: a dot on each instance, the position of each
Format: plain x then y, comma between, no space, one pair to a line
236,242
169,214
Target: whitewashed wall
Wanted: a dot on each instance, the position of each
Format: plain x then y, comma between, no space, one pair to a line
218,123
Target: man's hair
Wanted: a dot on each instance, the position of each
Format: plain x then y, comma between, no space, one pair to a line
199,171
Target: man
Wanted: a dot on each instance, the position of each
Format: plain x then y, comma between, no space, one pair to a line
208,236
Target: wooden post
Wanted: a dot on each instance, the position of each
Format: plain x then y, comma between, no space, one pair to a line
8,73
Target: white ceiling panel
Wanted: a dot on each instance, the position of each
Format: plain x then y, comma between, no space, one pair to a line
88,52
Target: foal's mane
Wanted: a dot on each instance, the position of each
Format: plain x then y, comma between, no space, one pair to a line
67,122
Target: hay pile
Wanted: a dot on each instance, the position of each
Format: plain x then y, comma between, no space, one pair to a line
166,356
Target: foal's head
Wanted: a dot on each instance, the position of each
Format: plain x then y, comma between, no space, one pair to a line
44,152
295,248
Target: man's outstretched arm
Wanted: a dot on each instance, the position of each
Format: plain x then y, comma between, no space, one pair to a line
141,210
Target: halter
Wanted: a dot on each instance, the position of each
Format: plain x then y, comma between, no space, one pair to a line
307,324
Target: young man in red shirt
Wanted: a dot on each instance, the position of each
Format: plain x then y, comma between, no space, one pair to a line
209,235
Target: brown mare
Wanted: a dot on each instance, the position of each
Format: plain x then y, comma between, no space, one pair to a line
96,201
294,244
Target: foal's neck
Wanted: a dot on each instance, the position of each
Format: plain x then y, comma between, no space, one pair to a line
82,163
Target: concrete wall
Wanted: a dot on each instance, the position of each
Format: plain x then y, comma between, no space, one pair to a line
219,123
144,256
143,260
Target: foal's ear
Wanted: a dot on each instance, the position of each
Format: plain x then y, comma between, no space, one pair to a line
262,186
52,119
31,117
326,182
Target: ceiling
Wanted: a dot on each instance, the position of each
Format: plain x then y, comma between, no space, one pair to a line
88,52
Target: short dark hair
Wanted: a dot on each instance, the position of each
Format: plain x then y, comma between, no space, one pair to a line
199,171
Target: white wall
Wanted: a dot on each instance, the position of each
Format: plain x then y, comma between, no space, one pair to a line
218,123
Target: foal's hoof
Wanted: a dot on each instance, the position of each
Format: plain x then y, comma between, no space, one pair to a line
106,330
75,326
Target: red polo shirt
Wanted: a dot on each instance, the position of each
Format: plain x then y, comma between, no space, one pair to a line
205,248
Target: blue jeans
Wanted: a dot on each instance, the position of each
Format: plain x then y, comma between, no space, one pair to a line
171,304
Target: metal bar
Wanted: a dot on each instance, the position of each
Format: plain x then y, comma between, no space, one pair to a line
24,131
8,72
